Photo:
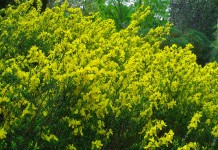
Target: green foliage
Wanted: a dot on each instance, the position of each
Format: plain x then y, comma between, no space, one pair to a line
118,11
159,11
176,37
215,51
69,81
158,15
87,6
202,46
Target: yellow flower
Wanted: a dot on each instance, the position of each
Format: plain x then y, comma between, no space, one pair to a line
71,147
194,121
215,131
2,133
45,113
49,137
189,146
4,99
97,144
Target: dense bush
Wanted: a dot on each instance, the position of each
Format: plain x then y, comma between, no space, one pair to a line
70,81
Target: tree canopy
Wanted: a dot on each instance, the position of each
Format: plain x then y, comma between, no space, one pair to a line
199,15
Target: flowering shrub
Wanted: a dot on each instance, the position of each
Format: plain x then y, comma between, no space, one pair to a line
70,81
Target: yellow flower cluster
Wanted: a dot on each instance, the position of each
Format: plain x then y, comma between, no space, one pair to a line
189,146
69,81
154,140
194,121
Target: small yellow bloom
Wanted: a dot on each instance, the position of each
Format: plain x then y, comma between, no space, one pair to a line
194,121
49,137
214,132
2,133
71,147
45,113
97,144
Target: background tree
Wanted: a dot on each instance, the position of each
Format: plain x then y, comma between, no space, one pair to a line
201,17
